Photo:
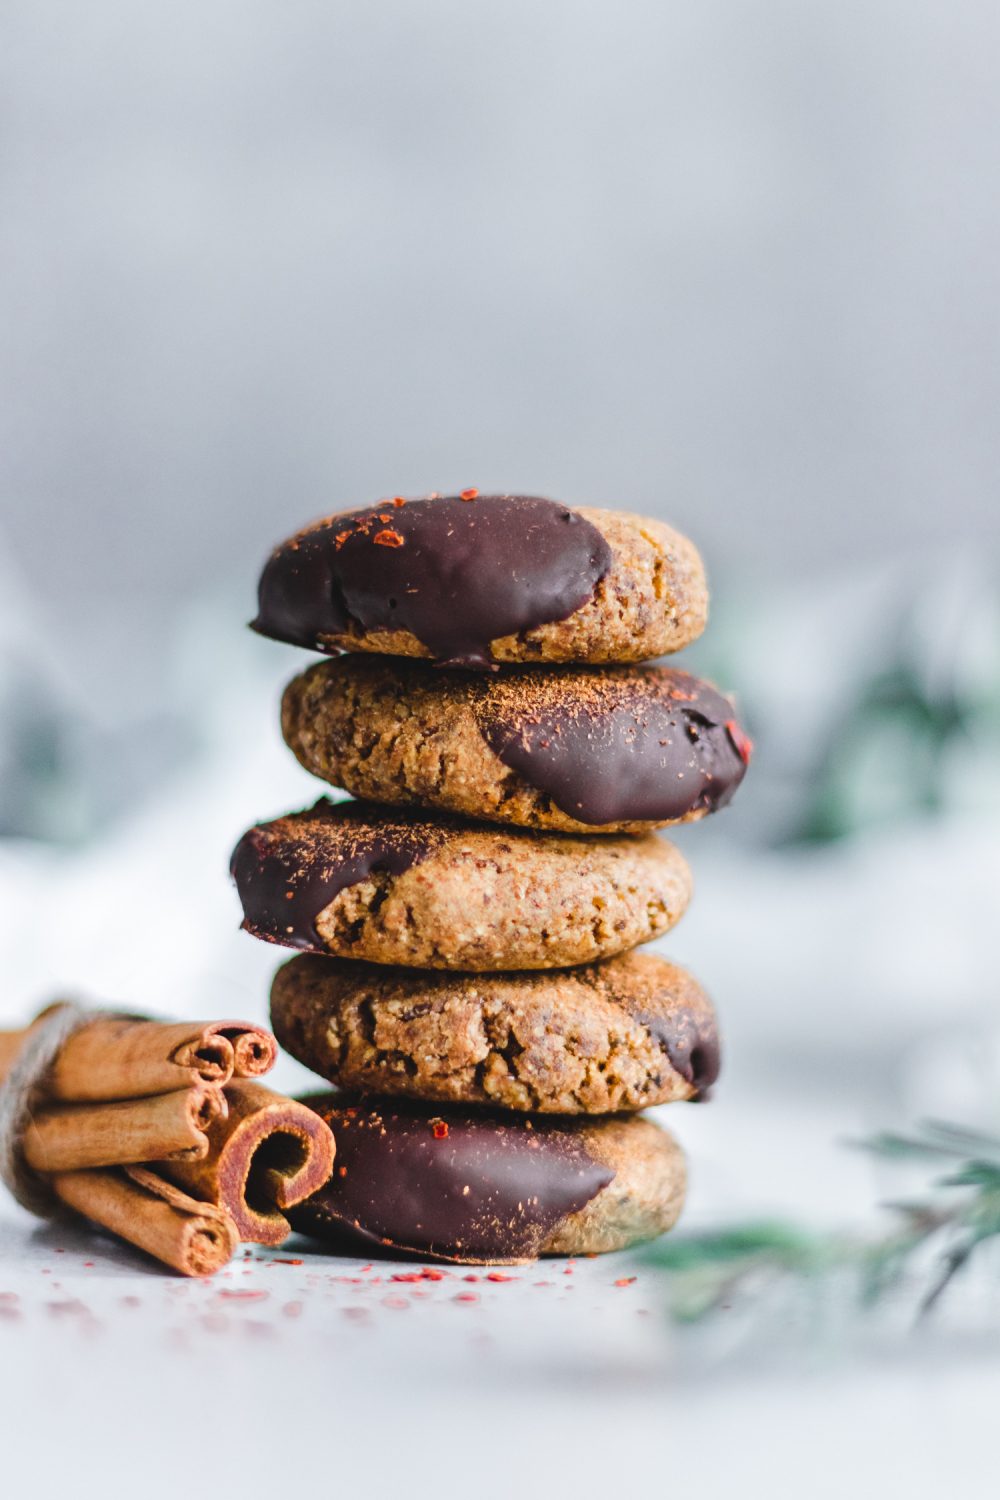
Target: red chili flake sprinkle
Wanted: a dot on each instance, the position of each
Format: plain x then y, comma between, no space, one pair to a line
394,1302
227,1296
499,1276
342,1171
340,539
470,1278
440,1130
398,500
388,538
60,1252
410,1276
742,743
466,1297
568,1271
432,1275
292,1309
280,1261
7,1297
625,1280
87,1263
469,494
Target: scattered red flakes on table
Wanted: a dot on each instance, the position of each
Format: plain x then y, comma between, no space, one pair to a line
388,538
280,1261
466,1297
228,1296
499,1276
394,1302
9,1297
292,1309
131,1302
543,1283
469,494
368,1267
409,1276
470,1278
568,1271
625,1280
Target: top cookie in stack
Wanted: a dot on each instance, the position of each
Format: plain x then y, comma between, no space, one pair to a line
545,723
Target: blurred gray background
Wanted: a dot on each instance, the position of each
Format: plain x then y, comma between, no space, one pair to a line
735,264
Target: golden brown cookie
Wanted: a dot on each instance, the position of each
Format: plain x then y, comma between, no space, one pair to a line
437,892
620,749
479,1188
619,1035
476,579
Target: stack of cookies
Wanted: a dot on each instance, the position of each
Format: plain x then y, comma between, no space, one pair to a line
471,980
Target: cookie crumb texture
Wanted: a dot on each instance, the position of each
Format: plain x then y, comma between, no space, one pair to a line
621,588
620,749
486,1189
625,1034
440,893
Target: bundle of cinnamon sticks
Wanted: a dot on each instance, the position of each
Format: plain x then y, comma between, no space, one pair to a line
157,1131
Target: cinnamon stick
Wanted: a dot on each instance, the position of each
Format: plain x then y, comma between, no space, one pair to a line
121,1058
268,1154
68,1137
194,1238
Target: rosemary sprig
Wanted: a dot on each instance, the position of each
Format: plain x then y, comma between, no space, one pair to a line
709,1270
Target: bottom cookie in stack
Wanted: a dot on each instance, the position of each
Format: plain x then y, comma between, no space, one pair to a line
490,1118
484,1187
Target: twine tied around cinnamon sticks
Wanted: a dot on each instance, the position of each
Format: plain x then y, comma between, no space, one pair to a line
90,1098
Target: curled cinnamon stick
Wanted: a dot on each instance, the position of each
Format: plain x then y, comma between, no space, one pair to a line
267,1155
194,1238
121,1058
69,1137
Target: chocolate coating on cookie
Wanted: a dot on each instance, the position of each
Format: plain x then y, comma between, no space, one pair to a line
460,1186
617,745
287,871
455,573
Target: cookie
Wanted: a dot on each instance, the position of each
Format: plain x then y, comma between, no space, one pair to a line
472,580
480,1188
436,892
619,1035
620,749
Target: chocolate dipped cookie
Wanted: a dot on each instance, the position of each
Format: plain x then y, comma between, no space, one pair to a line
616,749
393,886
471,580
619,1035
479,1188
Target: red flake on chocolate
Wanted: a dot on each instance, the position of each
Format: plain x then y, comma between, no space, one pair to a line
398,500
440,1130
469,494
388,538
340,539
742,743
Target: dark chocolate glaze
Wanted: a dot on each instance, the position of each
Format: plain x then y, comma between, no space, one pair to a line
288,871
690,1039
485,1187
455,573
626,744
